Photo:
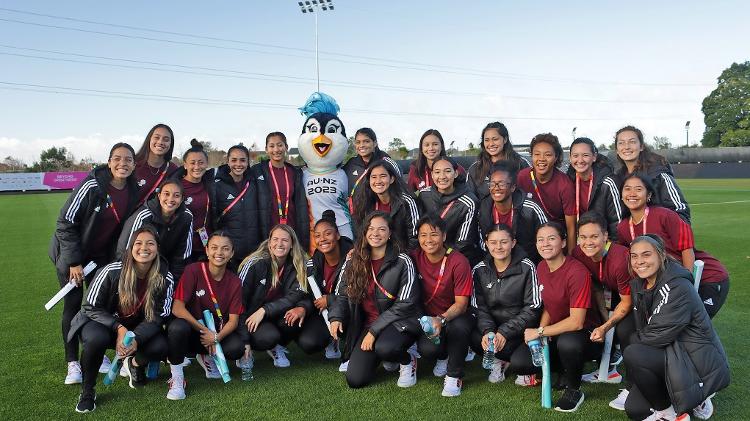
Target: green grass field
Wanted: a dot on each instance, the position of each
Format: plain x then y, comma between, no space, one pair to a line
32,367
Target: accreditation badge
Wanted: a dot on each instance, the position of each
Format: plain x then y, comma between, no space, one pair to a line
203,234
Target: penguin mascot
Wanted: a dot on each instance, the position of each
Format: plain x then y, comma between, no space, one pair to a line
323,145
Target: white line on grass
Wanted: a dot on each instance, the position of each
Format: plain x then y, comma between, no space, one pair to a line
719,203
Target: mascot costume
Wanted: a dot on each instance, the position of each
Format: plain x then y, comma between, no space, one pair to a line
323,145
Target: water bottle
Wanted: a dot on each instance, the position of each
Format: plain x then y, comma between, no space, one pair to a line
426,322
488,360
246,366
152,370
537,357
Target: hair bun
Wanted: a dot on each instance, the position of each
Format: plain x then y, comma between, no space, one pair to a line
196,144
329,215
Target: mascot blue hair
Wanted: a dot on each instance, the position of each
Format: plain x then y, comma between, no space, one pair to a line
323,145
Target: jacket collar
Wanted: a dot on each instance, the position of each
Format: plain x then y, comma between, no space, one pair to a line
514,268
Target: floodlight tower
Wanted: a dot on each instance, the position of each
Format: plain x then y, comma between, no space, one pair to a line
314,7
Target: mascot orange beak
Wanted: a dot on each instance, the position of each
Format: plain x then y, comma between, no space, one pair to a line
321,145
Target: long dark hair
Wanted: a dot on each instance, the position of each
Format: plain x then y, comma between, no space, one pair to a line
484,161
143,153
601,160
358,272
128,283
421,161
366,131
647,158
365,198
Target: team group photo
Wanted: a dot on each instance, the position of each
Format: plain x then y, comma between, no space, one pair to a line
312,262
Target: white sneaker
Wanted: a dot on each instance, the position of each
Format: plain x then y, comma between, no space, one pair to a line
704,410
343,367
451,387
390,366
413,350
613,377
332,350
407,376
209,366
497,374
470,355
441,368
176,390
278,353
74,373
186,362
123,370
665,415
619,402
527,381
106,365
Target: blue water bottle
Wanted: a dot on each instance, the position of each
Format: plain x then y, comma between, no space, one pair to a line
426,323
537,355
488,360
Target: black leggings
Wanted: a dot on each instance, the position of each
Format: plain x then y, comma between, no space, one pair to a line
568,353
454,344
714,295
391,345
647,372
97,338
184,341
312,337
515,350
71,305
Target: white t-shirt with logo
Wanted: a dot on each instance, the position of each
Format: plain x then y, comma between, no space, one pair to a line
329,191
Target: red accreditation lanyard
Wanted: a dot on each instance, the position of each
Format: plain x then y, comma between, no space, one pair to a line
538,193
208,202
578,194
447,208
236,199
213,297
111,203
496,216
380,287
632,226
279,274
601,262
426,178
158,181
282,215
440,276
351,194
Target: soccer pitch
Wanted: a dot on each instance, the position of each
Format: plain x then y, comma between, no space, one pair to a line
33,367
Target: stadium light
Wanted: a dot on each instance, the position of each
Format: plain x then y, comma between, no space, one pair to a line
687,134
314,7
574,132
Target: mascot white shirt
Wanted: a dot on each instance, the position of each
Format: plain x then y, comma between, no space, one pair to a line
322,145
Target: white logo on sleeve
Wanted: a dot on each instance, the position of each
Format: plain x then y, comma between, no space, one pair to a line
188,201
200,293
230,197
709,302
355,172
263,281
260,177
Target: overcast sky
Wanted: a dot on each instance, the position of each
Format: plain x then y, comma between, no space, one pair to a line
85,74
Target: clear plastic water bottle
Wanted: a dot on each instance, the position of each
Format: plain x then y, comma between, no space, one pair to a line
488,360
152,370
246,366
426,323
537,357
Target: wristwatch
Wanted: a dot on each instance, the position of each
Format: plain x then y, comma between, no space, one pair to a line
443,320
540,331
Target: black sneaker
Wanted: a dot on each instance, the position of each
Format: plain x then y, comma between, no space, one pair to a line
137,374
86,403
570,401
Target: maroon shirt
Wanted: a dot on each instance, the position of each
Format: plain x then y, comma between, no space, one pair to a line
194,292
384,207
369,304
147,177
328,274
567,287
557,195
108,223
132,317
677,235
197,200
614,268
456,282
584,193
498,218
284,193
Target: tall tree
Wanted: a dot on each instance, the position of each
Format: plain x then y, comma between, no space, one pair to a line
662,142
727,109
54,159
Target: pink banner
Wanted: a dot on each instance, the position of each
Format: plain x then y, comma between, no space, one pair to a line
63,180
